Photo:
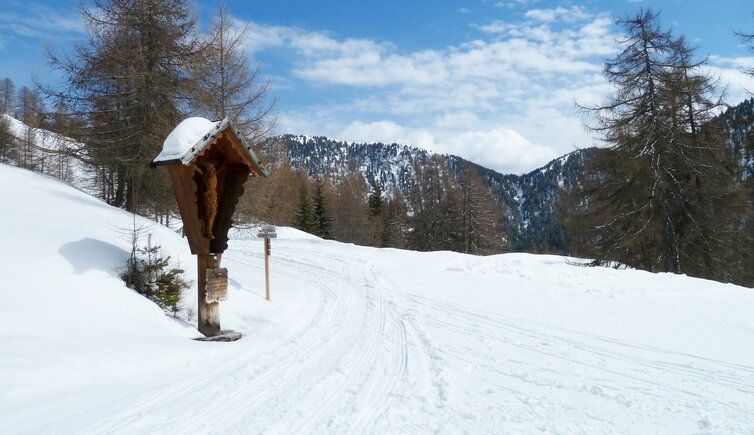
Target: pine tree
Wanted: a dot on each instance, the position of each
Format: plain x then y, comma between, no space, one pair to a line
653,196
272,199
375,199
304,216
30,108
376,214
321,219
150,273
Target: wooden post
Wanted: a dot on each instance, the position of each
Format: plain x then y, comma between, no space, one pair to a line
267,267
209,312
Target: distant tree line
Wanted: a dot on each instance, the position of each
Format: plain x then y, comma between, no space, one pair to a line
442,211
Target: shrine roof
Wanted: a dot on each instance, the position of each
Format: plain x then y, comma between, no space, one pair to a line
189,138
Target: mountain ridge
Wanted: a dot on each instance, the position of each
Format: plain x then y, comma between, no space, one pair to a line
530,199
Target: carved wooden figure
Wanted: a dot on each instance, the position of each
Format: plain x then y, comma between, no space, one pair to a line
208,163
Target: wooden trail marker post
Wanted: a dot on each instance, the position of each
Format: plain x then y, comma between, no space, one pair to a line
267,232
208,163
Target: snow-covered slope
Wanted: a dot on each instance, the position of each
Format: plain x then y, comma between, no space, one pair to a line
355,339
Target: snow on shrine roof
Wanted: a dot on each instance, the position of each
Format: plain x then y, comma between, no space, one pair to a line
183,137
192,136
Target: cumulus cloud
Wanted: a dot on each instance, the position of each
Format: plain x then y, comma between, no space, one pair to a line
521,47
738,84
496,26
502,149
388,132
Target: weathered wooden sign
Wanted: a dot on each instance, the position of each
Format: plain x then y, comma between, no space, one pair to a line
267,232
208,163
217,284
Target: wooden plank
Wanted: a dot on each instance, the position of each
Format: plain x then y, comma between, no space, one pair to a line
239,150
232,191
185,189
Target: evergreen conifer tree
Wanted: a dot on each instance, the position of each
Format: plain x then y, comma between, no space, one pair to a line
305,216
375,199
321,219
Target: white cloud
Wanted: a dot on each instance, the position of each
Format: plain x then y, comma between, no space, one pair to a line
358,62
514,3
570,15
261,36
387,132
502,149
457,120
738,84
496,26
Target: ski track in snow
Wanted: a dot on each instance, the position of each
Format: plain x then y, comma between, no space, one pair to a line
380,358
337,367
369,363
654,374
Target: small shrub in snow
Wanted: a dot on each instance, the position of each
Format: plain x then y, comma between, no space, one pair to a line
149,272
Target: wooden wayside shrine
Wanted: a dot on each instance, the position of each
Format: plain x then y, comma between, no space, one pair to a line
208,181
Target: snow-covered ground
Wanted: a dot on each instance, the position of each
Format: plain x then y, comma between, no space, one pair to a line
355,339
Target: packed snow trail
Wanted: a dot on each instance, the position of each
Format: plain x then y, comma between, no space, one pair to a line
356,339
377,356
336,368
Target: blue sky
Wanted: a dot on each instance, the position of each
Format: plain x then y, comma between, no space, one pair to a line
494,81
